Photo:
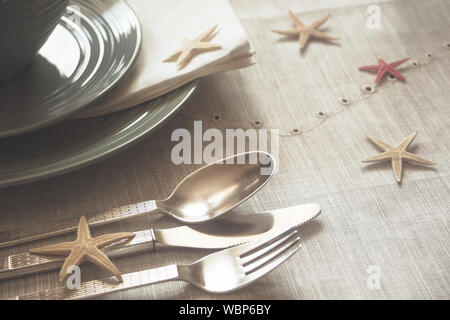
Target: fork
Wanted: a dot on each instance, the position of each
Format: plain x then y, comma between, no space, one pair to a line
221,272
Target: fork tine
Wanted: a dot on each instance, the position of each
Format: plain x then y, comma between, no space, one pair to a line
265,258
250,247
270,266
264,248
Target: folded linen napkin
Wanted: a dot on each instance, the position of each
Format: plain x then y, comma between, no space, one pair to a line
164,24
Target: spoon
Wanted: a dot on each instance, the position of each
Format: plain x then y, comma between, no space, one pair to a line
205,194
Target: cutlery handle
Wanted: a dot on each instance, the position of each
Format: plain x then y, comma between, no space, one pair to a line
27,263
96,288
42,231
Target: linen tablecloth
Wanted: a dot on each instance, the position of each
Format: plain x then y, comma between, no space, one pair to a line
369,224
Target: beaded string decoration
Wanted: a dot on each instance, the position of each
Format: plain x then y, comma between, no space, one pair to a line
345,102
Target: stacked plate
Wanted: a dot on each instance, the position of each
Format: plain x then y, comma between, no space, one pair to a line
91,49
25,25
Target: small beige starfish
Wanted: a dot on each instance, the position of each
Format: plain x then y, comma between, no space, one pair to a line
85,248
306,32
189,47
396,155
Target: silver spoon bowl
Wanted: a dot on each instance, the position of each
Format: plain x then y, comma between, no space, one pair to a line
218,187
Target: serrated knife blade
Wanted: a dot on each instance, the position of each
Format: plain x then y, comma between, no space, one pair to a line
217,234
238,230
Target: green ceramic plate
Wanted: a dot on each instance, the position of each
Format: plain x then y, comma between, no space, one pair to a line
77,143
92,48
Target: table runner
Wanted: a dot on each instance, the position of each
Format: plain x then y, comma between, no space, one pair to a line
369,224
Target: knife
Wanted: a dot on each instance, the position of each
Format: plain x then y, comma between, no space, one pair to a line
213,235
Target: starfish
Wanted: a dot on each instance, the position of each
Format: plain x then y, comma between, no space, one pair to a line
384,68
396,155
85,248
191,46
306,32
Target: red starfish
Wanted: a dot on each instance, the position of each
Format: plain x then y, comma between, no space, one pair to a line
384,68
